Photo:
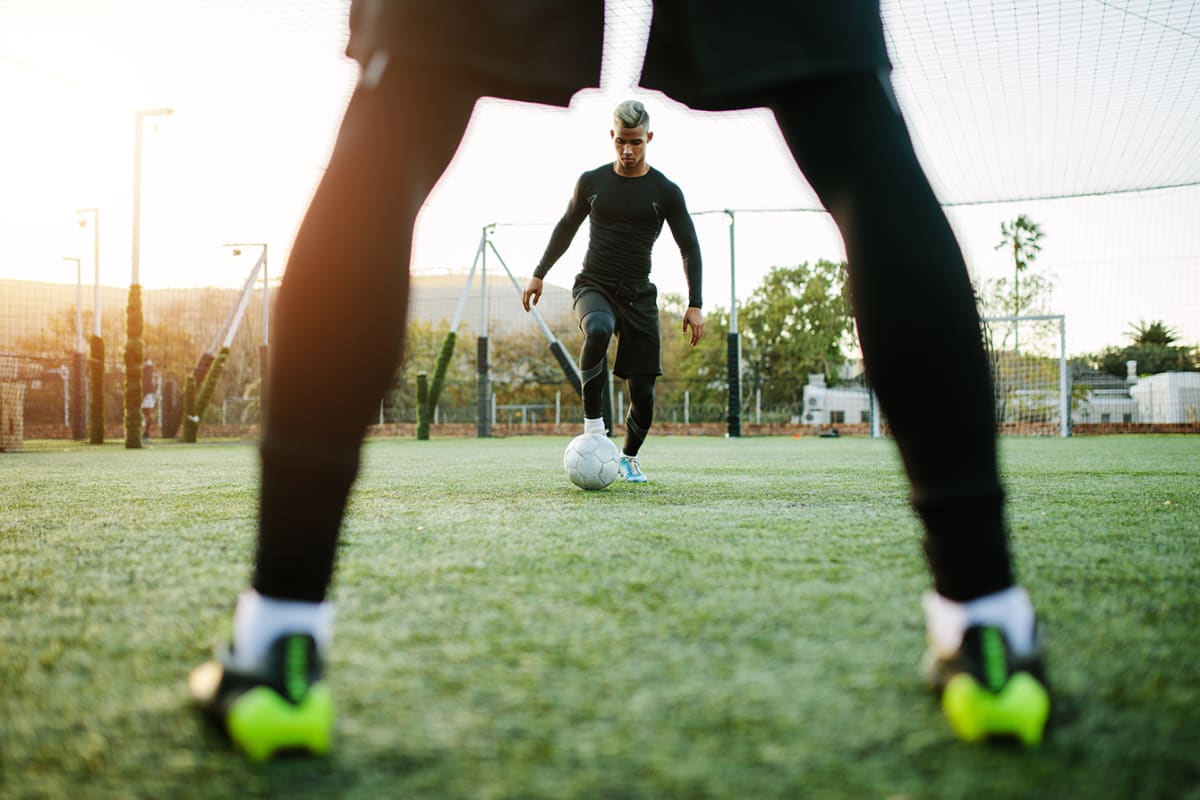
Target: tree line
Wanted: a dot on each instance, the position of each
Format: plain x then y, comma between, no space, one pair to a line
796,323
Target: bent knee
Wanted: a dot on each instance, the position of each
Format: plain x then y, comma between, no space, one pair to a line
598,324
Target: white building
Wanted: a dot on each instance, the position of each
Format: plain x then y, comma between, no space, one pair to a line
824,405
1167,398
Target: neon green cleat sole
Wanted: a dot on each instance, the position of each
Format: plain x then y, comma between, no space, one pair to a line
261,723
282,706
1019,710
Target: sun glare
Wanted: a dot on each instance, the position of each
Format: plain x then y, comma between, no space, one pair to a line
236,160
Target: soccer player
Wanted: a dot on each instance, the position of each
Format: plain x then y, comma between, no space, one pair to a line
823,69
627,200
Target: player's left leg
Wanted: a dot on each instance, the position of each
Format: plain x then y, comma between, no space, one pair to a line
911,291
637,425
340,312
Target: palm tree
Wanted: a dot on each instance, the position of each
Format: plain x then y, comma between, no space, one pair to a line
1022,235
1155,332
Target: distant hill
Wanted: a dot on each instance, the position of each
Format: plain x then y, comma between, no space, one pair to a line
435,298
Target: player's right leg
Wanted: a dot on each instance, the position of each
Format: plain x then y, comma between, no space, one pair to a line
339,326
598,324
912,295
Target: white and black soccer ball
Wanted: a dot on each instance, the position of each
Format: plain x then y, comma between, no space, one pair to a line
591,461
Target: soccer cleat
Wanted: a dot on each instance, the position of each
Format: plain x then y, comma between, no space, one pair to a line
630,470
988,692
282,706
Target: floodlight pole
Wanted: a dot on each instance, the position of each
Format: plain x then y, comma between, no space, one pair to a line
75,394
138,118
95,212
135,346
734,350
78,302
96,401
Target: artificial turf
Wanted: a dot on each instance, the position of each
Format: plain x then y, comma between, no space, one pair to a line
747,625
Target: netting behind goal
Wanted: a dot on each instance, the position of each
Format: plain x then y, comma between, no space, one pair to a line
1030,377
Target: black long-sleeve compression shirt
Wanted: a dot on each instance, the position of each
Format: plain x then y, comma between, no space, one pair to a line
627,217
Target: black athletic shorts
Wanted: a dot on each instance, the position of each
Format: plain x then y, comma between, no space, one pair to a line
710,54
634,305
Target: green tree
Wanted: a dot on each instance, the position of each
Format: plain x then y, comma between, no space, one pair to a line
422,344
1022,238
700,371
1153,346
523,370
796,323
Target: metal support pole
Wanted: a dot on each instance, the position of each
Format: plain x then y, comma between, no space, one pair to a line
734,350
77,419
570,370
483,427
263,351
95,212
1064,381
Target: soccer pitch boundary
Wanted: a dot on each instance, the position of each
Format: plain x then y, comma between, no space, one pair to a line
747,625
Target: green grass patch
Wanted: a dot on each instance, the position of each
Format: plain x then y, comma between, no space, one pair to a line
747,625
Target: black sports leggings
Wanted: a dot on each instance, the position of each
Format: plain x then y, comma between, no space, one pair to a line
598,328
914,304
641,411
341,312
340,317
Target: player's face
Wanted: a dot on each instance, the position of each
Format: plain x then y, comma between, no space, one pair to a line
630,144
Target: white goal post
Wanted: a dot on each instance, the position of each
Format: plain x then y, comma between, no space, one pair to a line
1031,381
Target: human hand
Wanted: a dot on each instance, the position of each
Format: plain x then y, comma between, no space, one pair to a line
532,293
694,319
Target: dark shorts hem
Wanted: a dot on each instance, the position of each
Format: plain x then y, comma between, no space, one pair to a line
639,340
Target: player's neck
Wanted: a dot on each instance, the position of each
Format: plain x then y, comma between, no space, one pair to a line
641,169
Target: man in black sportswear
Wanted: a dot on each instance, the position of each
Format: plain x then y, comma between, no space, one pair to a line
822,68
627,201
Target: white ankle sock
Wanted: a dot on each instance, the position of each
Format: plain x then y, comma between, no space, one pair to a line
259,620
593,425
1009,609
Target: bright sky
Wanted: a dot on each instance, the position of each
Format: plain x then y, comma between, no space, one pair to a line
257,88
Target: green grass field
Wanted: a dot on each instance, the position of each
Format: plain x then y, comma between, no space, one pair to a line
745,626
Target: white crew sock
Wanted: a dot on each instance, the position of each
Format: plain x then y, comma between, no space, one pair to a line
594,425
259,620
1010,610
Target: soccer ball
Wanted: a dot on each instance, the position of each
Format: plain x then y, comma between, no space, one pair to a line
591,461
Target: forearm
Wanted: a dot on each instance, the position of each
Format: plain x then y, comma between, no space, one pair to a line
564,232
560,240
693,271
689,250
